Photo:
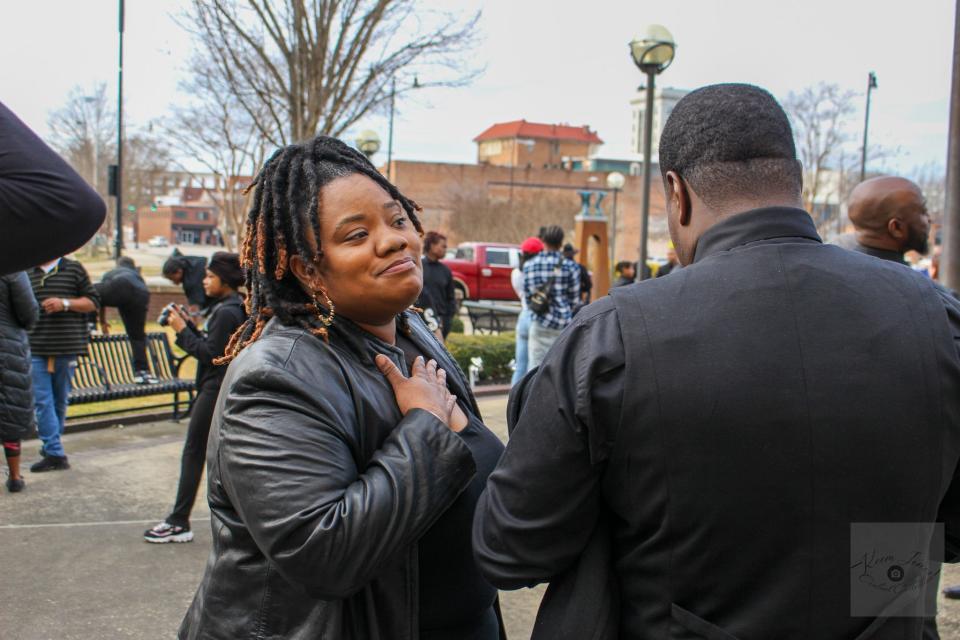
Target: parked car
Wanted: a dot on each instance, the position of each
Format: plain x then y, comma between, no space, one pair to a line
481,270
158,241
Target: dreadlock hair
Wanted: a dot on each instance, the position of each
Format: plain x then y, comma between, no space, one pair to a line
285,208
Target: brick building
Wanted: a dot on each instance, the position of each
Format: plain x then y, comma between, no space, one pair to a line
536,146
439,188
188,217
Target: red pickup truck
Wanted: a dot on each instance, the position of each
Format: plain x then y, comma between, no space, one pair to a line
481,270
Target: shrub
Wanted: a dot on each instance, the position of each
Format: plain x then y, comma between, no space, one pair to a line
456,325
496,350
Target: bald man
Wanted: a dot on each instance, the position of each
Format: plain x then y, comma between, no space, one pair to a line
890,216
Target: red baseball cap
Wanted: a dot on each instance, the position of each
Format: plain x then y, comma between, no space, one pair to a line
531,245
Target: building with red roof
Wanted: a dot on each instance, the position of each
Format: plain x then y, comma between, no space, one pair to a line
536,145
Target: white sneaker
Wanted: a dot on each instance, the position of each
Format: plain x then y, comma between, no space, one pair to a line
166,532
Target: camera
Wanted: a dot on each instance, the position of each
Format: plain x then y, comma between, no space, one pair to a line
164,318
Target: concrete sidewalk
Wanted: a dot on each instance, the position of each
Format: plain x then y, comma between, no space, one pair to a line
76,566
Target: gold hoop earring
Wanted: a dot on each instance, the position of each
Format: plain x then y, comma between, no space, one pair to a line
328,303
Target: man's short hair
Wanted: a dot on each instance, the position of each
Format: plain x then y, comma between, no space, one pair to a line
126,262
731,141
552,235
172,265
622,265
431,238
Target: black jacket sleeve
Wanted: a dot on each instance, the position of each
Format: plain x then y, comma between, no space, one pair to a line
26,309
46,209
543,500
949,512
450,295
287,463
221,325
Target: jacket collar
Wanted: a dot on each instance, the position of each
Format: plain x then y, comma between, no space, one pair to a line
883,254
756,225
367,346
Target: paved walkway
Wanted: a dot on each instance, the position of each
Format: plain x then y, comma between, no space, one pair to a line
76,568
75,565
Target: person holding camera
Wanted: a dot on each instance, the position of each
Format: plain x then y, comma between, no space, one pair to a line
224,277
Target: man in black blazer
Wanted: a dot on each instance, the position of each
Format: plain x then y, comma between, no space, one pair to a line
747,428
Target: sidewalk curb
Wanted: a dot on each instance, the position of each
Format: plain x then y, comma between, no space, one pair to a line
107,422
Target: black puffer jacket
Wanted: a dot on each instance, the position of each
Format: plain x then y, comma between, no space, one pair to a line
18,314
319,490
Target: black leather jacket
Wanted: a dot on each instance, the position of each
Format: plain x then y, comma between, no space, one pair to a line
319,490
19,311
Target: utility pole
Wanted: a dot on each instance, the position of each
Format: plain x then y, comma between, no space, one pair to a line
871,85
118,242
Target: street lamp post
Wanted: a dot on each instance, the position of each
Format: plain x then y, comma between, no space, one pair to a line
368,142
652,53
871,85
393,101
615,181
118,243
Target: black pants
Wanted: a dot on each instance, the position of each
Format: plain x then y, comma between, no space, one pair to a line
134,317
194,454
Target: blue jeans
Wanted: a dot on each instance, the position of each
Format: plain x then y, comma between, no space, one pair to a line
523,337
541,339
50,393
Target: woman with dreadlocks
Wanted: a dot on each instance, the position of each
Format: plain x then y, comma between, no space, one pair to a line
346,452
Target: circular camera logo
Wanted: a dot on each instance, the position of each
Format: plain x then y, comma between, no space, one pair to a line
895,573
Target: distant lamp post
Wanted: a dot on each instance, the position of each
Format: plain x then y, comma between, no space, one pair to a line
615,181
652,53
871,85
393,101
368,142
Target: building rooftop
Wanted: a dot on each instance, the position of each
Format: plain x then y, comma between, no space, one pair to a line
524,129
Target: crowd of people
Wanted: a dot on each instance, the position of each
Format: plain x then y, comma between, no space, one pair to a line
701,454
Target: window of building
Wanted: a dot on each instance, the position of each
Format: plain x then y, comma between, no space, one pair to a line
490,147
203,215
180,215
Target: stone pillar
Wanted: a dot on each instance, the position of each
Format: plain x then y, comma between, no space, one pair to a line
592,230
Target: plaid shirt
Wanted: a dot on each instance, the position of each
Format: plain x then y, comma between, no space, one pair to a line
566,287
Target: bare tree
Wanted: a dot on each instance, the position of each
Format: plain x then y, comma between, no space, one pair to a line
216,132
299,68
819,116
932,180
84,131
477,213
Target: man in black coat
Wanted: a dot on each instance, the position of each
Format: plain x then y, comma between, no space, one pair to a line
437,297
749,426
124,289
47,209
189,272
890,217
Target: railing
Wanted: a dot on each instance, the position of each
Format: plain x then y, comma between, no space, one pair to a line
490,317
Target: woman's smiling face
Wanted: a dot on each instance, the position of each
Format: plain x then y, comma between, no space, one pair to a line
370,264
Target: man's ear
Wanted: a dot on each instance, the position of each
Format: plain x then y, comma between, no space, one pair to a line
896,228
679,197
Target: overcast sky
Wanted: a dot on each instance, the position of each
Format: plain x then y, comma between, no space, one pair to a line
545,61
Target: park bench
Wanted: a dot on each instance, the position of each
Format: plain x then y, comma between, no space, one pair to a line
488,317
106,373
